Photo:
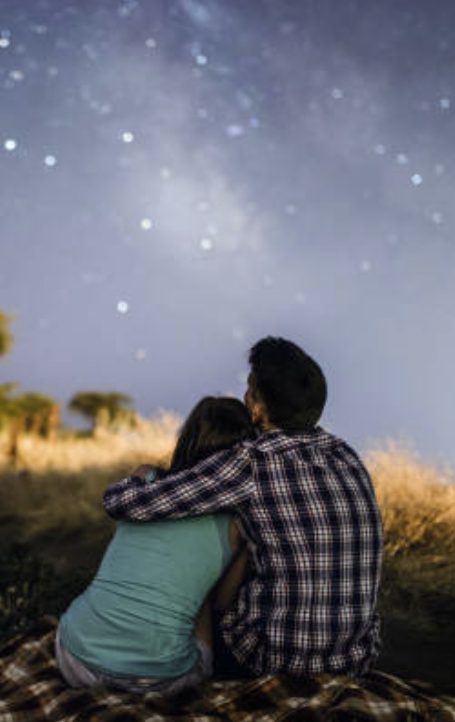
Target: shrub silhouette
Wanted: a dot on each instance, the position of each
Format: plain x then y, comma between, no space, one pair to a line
102,408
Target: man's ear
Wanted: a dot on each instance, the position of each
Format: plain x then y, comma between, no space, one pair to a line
258,412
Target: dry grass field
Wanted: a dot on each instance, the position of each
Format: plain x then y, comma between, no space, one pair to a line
54,532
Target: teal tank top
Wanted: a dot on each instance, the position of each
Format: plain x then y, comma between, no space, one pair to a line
136,618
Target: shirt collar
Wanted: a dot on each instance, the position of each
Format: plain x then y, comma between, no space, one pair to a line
278,438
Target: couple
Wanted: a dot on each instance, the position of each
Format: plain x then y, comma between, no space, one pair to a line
286,517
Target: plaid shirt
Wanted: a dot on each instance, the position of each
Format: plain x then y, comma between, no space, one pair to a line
313,527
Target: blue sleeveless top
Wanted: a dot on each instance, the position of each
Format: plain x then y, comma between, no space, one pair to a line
136,618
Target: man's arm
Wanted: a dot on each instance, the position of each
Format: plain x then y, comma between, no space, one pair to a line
221,482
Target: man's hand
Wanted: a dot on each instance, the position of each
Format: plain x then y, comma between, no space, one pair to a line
143,471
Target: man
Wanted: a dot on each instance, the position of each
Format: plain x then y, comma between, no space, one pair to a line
309,514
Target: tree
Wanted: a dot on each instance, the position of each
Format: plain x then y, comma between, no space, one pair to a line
101,408
38,412
6,403
6,341
6,337
29,412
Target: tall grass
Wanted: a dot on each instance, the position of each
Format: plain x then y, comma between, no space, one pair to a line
149,440
417,502
51,507
60,484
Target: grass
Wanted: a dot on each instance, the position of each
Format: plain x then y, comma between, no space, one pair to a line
55,531
73,453
417,503
417,599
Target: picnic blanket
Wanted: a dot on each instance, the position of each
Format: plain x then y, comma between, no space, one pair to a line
32,690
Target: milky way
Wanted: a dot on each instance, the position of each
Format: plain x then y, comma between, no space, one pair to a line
181,178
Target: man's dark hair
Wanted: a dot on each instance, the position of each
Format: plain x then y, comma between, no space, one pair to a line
214,424
289,382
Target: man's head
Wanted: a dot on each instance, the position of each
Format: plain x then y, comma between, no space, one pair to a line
286,387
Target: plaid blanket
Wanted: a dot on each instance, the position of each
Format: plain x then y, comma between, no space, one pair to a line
32,690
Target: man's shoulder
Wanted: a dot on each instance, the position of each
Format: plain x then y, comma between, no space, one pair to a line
313,446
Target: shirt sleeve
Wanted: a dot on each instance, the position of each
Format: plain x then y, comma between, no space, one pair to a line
224,481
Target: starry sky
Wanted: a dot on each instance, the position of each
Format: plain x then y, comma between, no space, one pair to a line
182,177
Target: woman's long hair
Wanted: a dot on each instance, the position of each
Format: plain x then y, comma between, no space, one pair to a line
214,424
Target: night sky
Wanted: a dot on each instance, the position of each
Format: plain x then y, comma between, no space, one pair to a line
181,177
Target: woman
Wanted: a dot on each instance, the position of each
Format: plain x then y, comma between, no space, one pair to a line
141,625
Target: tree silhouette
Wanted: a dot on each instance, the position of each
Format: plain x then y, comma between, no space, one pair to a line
101,408
6,341
37,412
6,337
6,405
29,412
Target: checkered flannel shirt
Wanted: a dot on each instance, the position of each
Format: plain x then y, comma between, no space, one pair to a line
313,527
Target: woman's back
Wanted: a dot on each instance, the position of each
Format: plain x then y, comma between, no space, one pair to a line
137,616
